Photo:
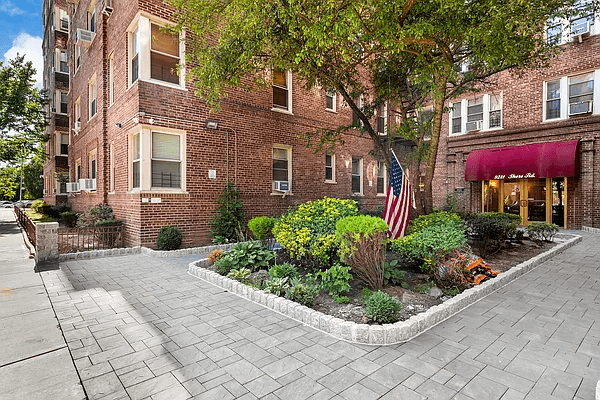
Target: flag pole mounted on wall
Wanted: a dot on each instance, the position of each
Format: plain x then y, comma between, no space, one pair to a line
397,204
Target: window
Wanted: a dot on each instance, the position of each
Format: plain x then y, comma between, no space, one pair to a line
111,79
456,117
381,118
112,167
135,161
63,100
62,140
581,17
92,96
553,99
330,167
166,160
554,31
92,165
571,96
63,20
92,20
63,62
164,55
355,118
330,100
77,112
135,52
475,114
78,169
77,57
282,90
581,93
495,119
482,113
357,184
381,178
560,31
61,183
282,156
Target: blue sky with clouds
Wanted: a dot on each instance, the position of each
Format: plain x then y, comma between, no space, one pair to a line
21,31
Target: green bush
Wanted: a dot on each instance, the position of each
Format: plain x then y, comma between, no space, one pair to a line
491,230
94,214
302,292
308,232
284,270
393,275
35,206
277,286
69,218
226,223
55,211
382,307
431,244
240,275
225,265
435,218
169,238
362,246
252,255
335,281
261,227
542,232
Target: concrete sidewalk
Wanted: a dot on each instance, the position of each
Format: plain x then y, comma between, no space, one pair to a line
35,362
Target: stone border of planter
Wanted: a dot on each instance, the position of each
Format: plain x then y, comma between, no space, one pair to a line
375,334
592,230
84,255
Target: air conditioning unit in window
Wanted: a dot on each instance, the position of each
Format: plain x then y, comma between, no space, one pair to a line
77,126
83,36
580,30
581,107
72,187
87,184
107,7
474,126
64,24
281,186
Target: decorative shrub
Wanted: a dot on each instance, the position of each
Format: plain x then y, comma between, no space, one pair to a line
226,223
335,281
277,286
491,230
362,246
284,270
240,275
302,292
252,255
69,218
393,275
431,244
308,232
215,255
261,227
94,214
542,232
169,238
435,218
382,307
36,204
55,211
225,265
108,236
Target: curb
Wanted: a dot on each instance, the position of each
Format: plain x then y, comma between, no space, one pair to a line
598,391
386,334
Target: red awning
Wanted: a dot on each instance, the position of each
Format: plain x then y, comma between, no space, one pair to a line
540,160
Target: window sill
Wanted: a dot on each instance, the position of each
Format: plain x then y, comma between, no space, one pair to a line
331,182
549,121
381,194
282,111
331,111
358,195
282,194
162,83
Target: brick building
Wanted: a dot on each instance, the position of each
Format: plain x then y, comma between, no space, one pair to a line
141,142
528,145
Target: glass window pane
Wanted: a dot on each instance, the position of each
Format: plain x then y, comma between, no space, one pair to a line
280,164
457,109
163,68
356,166
553,109
553,90
279,79
280,174
165,146
164,42
355,184
328,173
166,174
328,160
280,153
136,146
134,69
136,174
280,97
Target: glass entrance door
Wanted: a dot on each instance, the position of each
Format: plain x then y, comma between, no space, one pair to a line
512,197
536,200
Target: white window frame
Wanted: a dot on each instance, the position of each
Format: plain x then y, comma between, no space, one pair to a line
288,88
333,95
60,15
359,103
77,111
564,95
360,175
58,102
93,165
464,104
179,160
92,97
379,168
141,26
565,25
77,171
77,57
92,19
332,166
59,142
59,52
132,159
288,150
382,114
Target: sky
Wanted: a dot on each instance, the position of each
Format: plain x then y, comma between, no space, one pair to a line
21,32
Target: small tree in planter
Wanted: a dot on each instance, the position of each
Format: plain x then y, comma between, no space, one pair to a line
226,224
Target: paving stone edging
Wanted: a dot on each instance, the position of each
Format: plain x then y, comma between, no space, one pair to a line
375,334
84,255
592,230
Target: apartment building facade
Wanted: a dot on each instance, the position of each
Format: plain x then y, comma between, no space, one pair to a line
529,145
143,143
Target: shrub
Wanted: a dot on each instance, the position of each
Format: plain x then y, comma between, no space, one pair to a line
491,230
35,206
308,232
431,244
169,238
261,227
277,286
392,275
542,232
215,255
252,255
335,282
69,218
240,275
284,270
225,265
94,214
226,223
55,211
108,236
362,246
302,292
435,218
382,307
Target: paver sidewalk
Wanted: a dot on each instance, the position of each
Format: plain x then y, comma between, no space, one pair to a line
34,359
141,327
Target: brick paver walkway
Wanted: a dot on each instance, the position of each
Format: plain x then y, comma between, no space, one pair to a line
141,327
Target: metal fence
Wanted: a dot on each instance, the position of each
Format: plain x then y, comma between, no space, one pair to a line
71,240
26,223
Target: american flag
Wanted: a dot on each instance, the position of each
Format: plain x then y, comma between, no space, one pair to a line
397,204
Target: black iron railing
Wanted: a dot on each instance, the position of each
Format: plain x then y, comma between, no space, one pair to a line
26,223
71,240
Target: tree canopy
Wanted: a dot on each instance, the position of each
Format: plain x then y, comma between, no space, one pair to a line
22,117
407,54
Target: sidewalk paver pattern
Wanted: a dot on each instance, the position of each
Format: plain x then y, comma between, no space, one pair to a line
140,327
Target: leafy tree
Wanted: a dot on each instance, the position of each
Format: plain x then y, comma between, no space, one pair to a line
226,223
32,182
9,183
407,53
22,117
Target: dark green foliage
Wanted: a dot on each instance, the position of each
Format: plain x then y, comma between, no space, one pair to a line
35,206
169,238
261,227
382,307
252,255
32,183
94,214
491,230
69,218
302,292
225,265
226,223
335,281
541,232
393,275
109,222
436,217
55,211
284,270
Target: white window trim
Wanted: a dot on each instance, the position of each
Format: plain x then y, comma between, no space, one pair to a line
143,23
77,107
93,156
145,132
385,119
57,21
92,95
486,115
362,177
565,24
288,82
288,149
332,180
57,102
385,178
77,164
564,96
334,96
92,13
58,143
111,79
77,53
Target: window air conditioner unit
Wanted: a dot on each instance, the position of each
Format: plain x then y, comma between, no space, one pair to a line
474,126
72,187
281,186
87,184
84,36
581,107
77,125
580,30
107,7
64,24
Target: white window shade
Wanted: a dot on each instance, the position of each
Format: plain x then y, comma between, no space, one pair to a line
165,146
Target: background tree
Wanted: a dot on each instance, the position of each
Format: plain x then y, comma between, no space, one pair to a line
405,53
9,183
22,117
33,183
